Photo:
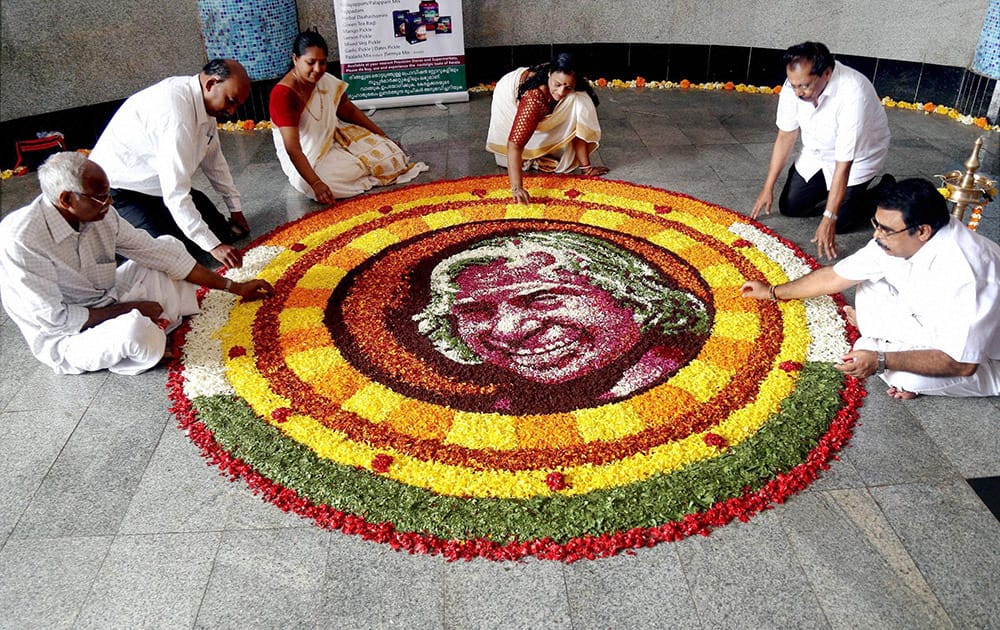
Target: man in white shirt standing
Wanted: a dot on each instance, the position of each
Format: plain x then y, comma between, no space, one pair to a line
78,310
927,302
155,142
845,139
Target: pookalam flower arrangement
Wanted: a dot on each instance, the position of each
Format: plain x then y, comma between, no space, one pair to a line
443,371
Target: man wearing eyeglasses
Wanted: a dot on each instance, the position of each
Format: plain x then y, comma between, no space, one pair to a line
78,310
155,143
927,301
845,140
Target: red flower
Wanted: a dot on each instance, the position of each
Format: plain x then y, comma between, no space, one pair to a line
729,86
640,82
556,481
297,247
479,192
385,209
573,193
716,440
742,242
662,209
381,463
790,366
237,351
281,414
248,125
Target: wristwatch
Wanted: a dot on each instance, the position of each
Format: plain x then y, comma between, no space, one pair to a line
881,363
829,215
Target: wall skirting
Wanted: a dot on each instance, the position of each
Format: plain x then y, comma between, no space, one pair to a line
956,87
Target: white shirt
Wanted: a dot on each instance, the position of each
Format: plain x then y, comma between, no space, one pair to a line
156,141
51,274
950,289
848,124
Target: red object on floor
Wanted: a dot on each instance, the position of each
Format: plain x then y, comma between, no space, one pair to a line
38,144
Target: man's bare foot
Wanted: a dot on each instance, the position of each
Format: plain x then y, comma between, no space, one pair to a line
901,394
851,315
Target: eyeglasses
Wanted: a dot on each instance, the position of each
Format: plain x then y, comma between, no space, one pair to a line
886,231
102,201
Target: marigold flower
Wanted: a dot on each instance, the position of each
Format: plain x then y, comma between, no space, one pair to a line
248,125
640,82
602,82
777,89
729,86
685,84
928,107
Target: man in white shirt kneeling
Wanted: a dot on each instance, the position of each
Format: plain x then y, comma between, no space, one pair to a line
156,141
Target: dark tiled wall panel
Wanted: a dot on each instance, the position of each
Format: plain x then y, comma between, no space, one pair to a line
902,80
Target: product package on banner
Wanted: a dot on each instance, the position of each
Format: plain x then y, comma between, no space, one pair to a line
402,52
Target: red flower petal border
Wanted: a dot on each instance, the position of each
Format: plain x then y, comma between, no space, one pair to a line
586,546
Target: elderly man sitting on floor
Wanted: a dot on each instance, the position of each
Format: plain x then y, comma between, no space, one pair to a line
927,302
60,285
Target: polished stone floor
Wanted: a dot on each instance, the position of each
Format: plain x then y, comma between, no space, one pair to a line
109,518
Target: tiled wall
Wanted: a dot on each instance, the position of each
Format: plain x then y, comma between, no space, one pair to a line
902,80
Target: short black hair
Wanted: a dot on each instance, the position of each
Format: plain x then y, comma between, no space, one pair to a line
814,53
919,202
218,68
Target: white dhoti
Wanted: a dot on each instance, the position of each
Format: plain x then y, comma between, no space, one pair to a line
887,326
550,147
131,343
348,158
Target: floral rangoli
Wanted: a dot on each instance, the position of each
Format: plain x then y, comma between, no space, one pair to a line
447,372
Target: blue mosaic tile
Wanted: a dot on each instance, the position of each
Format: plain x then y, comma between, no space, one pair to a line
987,59
257,33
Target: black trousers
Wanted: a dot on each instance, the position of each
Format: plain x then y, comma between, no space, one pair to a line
148,212
801,198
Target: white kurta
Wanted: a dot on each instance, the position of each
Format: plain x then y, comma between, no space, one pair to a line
348,158
51,274
573,117
945,297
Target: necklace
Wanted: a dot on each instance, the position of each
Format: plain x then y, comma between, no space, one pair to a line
322,106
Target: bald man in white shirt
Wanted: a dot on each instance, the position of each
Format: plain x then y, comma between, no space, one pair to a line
155,143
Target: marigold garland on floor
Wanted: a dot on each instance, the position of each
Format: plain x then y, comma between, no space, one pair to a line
429,373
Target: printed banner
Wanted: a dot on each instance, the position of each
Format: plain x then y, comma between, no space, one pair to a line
402,52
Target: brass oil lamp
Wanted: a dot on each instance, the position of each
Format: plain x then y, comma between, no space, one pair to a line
968,190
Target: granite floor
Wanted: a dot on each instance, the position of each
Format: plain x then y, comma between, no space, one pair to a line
109,518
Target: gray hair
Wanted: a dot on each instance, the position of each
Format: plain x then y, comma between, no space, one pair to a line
629,279
61,172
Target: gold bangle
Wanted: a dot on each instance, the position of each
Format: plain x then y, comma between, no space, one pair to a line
770,292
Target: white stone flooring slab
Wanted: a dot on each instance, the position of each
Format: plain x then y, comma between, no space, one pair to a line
109,518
